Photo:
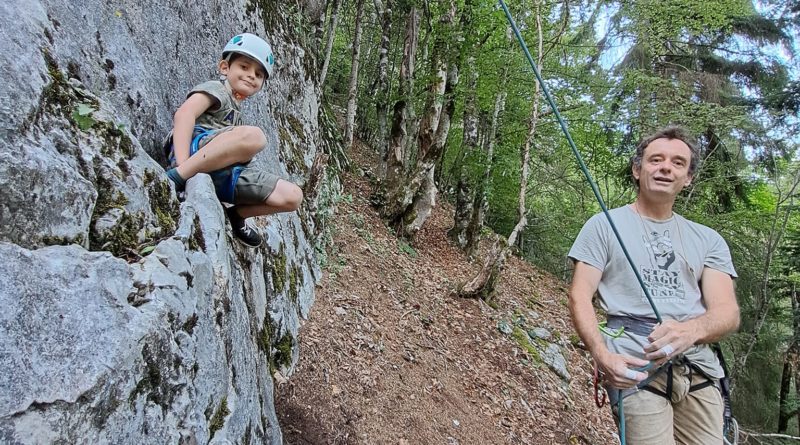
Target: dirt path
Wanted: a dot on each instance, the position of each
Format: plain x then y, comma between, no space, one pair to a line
390,356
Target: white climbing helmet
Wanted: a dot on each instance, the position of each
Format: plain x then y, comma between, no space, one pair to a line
253,46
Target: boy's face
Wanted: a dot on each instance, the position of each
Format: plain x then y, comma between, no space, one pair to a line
245,75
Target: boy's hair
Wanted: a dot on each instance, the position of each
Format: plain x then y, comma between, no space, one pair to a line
669,132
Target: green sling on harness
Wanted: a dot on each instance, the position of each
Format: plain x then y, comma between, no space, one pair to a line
730,426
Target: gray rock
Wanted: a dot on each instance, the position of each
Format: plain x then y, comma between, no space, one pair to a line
542,333
504,327
552,356
97,343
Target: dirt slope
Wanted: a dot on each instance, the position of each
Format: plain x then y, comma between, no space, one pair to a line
390,356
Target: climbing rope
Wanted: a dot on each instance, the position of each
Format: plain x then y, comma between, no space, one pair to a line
600,201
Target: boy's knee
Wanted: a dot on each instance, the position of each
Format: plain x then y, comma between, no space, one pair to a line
253,139
294,197
287,196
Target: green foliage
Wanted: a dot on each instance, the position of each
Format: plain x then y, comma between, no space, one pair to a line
82,115
406,248
218,421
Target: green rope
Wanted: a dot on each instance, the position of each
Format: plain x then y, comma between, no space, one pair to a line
596,192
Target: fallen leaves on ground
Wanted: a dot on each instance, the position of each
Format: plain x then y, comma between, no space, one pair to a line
389,354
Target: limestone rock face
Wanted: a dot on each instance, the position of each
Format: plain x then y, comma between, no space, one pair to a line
128,316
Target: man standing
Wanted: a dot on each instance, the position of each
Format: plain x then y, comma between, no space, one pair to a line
688,271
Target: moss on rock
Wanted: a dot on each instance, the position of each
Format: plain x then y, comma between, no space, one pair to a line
277,269
165,209
196,240
295,281
153,383
265,337
189,324
524,341
218,421
297,127
282,358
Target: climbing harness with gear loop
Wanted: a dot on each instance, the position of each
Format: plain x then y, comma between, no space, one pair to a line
224,179
614,327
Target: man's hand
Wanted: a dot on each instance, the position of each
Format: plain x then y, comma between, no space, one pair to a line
672,338
618,370
669,339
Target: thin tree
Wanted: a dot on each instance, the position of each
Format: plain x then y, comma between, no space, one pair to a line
484,283
352,90
480,201
790,365
329,44
469,144
382,80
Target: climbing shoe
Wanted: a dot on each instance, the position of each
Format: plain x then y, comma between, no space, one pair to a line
243,232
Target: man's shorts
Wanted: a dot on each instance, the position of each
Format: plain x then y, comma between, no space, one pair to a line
689,417
253,185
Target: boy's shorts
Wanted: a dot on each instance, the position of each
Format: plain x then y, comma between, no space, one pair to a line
253,186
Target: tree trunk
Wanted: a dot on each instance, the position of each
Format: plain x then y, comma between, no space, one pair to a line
329,44
408,200
783,407
469,144
480,203
425,199
395,153
484,283
382,84
352,91
433,109
424,202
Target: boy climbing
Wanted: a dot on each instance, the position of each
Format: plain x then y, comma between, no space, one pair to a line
208,137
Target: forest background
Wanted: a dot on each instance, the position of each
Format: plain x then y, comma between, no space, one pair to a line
442,90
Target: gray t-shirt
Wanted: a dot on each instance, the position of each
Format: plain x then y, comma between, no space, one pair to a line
227,114
670,256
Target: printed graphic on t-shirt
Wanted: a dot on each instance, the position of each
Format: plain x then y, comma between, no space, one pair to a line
229,117
662,277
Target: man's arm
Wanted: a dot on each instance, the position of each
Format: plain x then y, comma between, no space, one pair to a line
721,318
616,367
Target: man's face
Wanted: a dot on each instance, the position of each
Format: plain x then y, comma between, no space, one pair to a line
665,168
